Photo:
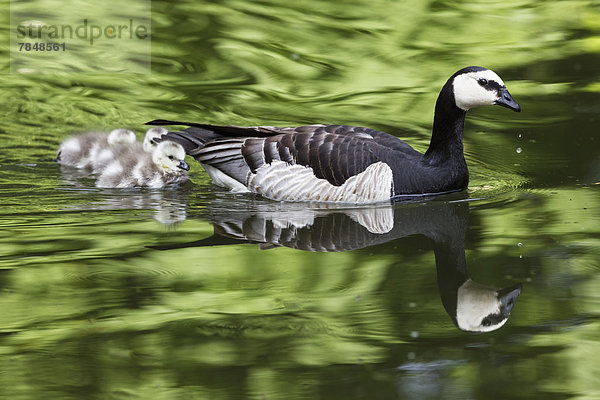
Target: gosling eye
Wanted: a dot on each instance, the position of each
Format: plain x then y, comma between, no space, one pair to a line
171,158
482,81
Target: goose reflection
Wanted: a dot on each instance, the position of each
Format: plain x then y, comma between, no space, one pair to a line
473,307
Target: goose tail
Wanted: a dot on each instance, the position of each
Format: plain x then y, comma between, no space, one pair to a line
171,122
191,138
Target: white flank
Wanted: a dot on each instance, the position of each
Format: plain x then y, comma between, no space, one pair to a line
475,302
221,179
375,220
284,182
290,219
468,93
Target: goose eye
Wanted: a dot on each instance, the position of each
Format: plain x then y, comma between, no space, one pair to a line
171,158
483,81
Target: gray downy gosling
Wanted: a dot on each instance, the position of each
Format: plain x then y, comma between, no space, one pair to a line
164,166
153,133
107,155
87,150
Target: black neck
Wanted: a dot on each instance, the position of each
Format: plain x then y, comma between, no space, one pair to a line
448,123
450,260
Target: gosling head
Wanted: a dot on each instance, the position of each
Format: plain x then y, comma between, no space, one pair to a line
168,156
481,308
153,133
478,86
121,136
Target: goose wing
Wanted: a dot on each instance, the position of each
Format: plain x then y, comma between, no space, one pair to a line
334,152
208,132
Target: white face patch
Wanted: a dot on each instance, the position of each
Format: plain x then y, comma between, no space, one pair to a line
474,303
168,155
468,92
151,134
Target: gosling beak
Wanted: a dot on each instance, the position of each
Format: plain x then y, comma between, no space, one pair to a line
183,165
506,100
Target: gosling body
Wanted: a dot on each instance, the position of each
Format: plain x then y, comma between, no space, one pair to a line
165,166
92,150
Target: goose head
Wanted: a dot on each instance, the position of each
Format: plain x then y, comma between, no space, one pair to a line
121,136
153,133
168,156
480,308
478,86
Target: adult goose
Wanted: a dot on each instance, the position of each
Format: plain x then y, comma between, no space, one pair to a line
344,164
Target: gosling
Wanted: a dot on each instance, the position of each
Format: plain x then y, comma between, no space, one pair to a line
130,168
91,150
153,133
107,155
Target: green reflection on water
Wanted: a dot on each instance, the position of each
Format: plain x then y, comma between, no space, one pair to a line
89,310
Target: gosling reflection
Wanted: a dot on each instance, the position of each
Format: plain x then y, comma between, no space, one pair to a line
473,307
168,207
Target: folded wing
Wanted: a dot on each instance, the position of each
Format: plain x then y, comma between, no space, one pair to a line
333,152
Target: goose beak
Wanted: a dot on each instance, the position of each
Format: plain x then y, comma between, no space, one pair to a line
508,297
183,165
506,100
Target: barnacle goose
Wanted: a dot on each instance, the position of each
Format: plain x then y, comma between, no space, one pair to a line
472,306
345,164
91,149
132,168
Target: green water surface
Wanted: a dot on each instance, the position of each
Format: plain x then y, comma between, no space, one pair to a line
127,293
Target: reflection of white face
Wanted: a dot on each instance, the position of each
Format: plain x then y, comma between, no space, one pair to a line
120,136
168,156
479,88
151,134
478,308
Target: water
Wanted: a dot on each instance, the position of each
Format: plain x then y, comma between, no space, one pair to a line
199,293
